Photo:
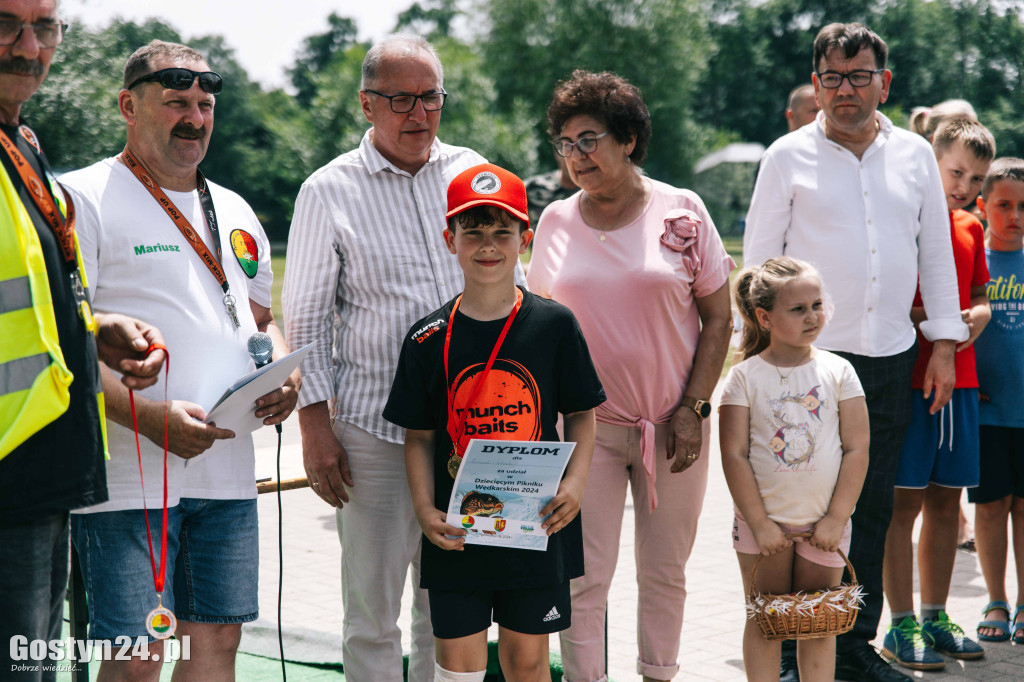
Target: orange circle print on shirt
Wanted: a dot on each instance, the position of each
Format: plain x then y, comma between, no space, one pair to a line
507,406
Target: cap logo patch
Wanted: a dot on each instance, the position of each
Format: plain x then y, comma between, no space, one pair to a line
485,183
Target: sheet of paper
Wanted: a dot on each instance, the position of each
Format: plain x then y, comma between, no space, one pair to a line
501,487
236,407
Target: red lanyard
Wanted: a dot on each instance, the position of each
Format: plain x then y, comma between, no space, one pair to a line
185,227
63,227
457,426
158,578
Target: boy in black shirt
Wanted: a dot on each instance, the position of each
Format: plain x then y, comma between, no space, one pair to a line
510,362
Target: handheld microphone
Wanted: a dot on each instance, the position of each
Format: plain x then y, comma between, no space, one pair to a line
261,348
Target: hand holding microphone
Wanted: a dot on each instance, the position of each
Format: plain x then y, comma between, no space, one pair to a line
277,405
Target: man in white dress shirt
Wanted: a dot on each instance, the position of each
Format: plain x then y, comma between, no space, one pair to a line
863,201
366,259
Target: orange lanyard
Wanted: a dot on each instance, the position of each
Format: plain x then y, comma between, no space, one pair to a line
63,227
457,426
185,227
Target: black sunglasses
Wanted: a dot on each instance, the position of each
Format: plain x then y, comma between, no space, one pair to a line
182,79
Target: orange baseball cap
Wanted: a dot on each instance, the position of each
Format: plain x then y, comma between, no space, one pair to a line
489,185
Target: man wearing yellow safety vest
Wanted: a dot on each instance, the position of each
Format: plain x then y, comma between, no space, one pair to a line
51,410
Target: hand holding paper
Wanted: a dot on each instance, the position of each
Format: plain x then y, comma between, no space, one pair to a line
274,407
503,487
236,409
564,506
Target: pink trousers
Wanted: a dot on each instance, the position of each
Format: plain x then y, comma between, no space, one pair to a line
663,540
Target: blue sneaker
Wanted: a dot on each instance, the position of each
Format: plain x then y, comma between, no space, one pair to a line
949,638
911,647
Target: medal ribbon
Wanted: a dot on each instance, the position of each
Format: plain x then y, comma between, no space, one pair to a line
456,426
158,578
63,227
213,264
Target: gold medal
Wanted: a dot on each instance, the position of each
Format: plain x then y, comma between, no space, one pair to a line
453,465
160,622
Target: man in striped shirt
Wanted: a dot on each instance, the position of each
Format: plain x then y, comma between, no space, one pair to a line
366,259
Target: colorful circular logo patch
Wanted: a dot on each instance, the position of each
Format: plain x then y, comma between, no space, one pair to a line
467,521
161,623
246,251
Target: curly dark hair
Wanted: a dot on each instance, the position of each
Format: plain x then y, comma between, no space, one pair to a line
607,97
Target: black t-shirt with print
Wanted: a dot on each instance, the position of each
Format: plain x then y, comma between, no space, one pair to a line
542,369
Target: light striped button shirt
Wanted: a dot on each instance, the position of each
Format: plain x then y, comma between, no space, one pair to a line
366,260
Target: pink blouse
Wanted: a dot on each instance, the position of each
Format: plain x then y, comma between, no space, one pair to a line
633,291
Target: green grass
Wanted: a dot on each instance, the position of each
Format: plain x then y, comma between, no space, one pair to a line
277,264
734,245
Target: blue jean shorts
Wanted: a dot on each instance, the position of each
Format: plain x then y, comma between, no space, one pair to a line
212,565
941,448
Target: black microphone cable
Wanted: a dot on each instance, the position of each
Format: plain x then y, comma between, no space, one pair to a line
261,348
280,556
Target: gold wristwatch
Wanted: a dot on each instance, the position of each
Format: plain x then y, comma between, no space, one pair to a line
701,408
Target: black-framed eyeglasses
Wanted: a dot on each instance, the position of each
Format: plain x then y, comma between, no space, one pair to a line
587,144
50,34
858,79
181,79
403,104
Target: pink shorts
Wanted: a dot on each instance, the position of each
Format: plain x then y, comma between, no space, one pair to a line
743,541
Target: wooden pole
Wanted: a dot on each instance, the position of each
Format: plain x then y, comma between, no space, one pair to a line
287,484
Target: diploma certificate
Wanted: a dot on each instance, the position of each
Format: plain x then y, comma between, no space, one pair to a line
501,487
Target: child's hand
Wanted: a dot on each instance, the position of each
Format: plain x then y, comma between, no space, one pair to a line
973,326
434,525
770,538
564,506
827,534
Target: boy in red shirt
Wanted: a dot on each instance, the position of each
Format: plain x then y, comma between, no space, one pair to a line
940,453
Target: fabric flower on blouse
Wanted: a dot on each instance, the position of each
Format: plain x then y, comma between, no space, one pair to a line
680,235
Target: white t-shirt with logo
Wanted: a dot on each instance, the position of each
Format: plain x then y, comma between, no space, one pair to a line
795,450
138,263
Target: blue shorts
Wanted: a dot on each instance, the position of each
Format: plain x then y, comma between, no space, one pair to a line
212,565
941,448
1002,464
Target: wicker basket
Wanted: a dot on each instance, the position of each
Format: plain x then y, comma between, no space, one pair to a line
805,616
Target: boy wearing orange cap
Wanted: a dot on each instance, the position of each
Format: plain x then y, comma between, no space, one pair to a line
499,363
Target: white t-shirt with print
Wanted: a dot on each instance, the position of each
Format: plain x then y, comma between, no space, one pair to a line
138,263
795,450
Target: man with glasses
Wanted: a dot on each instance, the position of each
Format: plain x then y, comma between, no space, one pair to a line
366,259
162,242
863,201
51,438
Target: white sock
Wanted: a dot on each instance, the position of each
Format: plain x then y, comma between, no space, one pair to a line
442,675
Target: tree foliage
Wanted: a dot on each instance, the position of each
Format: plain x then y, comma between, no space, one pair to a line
938,49
712,72
660,46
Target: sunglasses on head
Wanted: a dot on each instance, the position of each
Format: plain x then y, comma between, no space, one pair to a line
182,79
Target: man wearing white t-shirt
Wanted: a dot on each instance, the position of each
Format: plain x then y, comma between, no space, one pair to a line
862,200
162,243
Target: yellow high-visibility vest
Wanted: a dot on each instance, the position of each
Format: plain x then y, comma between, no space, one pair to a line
34,378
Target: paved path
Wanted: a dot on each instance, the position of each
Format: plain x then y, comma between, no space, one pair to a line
710,648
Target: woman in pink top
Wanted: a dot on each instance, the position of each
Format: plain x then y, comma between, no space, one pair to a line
641,266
